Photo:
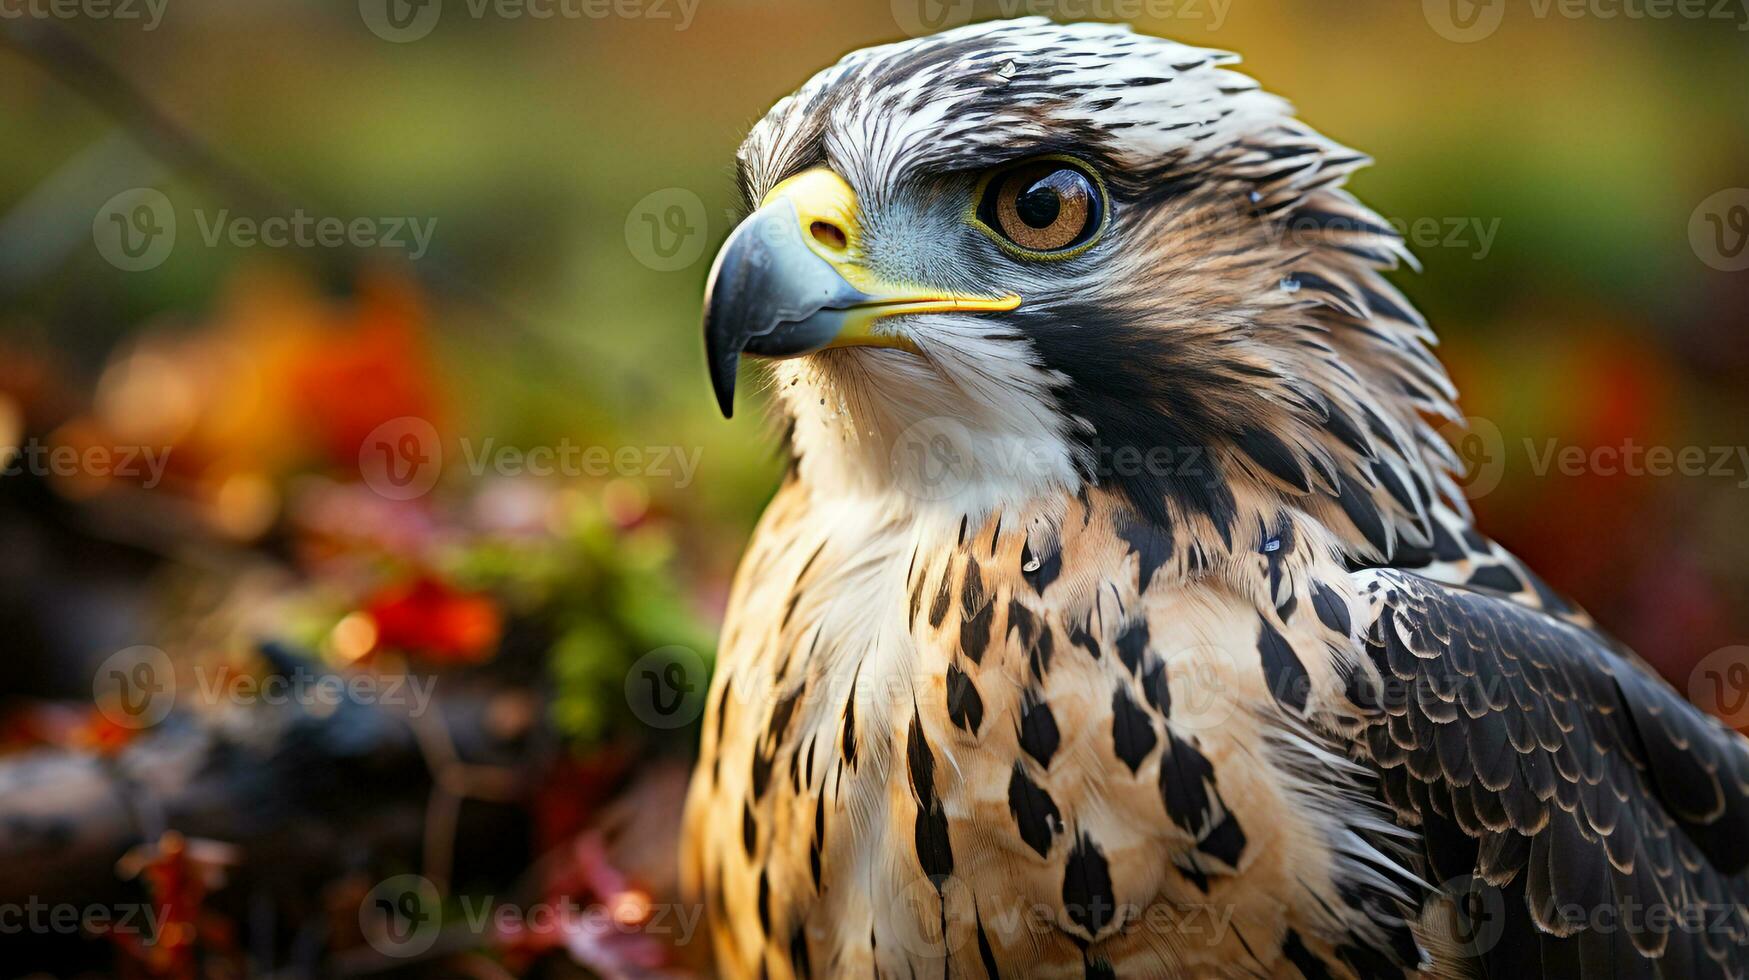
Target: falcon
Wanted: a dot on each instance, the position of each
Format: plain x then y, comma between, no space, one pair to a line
1121,613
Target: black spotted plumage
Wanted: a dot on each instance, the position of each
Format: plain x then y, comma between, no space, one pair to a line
965,707
1132,643
977,613
1282,668
1174,658
1540,760
1041,567
1039,736
1132,731
934,849
1087,895
1186,784
1035,814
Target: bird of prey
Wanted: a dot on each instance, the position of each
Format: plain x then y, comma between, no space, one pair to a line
1121,614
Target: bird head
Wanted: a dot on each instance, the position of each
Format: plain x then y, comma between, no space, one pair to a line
1060,256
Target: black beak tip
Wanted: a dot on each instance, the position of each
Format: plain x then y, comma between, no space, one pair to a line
723,368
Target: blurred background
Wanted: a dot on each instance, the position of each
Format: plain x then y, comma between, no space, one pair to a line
366,519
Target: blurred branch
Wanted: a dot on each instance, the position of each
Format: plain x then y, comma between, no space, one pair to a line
282,783
73,63
64,57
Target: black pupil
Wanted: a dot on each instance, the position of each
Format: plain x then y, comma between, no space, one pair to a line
1040,204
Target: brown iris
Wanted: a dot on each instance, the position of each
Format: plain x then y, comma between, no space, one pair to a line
1044,206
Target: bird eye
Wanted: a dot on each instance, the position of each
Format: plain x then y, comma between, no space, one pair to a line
1047,208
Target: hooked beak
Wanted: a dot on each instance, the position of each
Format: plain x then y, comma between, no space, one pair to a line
788,282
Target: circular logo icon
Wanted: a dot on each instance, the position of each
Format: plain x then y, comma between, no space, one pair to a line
1201,698
666,687
402,458
933,917
1720,684
136,687
919,18
1464,21
1481,450
1718,230
666,231
1479,913
401,916
400,21
135,230
932,459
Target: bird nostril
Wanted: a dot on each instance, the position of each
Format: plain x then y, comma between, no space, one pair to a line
829,235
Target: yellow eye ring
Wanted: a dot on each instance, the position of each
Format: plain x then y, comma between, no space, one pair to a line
1045,208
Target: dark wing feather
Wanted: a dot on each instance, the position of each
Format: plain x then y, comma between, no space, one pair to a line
1609,817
